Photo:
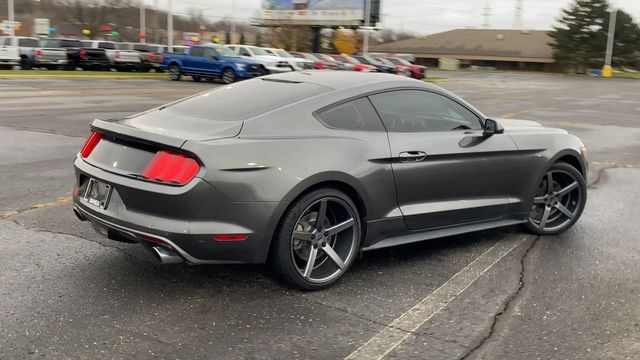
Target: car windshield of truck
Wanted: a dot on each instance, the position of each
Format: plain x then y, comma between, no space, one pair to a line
106,45
62,43
226,52
258,51
122,46
283,53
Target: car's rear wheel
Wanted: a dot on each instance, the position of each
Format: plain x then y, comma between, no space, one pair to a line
25,63
318,239
228,76
559,200
175,73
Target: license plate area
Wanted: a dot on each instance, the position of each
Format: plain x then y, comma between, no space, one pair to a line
97,193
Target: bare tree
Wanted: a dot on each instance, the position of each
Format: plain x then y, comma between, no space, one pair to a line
90,14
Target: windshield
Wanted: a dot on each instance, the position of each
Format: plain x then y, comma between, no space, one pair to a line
226,52
385,61
402,61
372,61
258,51
283,53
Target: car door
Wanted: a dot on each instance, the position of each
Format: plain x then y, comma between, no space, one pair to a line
446,171
194,61
210,62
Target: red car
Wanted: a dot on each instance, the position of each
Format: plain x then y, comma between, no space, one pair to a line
318,63
351,62
417,71
399,69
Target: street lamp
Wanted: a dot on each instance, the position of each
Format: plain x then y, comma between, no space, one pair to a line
607,70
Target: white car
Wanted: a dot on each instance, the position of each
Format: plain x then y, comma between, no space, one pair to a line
9,54
272,64
120,57
297,63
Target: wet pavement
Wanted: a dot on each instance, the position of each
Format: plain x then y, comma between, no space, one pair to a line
66,292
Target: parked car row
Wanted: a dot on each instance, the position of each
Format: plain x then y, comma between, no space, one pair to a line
233,62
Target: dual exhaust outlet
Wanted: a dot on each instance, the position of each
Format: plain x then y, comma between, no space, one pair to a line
163,255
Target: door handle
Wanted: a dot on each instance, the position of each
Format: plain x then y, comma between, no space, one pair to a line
412,156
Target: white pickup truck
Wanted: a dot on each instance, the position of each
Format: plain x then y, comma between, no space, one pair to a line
9,54
120,57
270,64
33,54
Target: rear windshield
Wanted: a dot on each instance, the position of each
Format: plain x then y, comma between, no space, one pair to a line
106,45
64,43
246,99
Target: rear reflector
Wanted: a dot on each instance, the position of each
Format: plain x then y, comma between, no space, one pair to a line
171,167
90,144
230,237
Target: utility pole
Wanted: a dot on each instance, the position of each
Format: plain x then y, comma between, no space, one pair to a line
486,13
11,16
517,19
233,21
607,70
143,26
170,27
367,16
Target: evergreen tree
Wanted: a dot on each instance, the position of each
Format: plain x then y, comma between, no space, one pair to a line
242,39
258,41
227,39
581,39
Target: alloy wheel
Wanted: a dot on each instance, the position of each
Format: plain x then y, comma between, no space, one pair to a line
324,240
228,76
174,72
558,202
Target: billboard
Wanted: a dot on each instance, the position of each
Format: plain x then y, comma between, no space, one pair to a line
313,12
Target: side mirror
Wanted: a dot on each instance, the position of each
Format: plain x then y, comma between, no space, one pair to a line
492,127
213,57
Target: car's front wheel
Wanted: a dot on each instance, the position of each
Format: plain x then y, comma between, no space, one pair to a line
175,73
228,76
317,240
559,200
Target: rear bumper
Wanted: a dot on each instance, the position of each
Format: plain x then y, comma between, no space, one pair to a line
183,219
15,61
93,63
50,62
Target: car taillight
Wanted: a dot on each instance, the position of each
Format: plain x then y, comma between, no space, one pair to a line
83,54
91,143
38,53
117,54
171,167
151,57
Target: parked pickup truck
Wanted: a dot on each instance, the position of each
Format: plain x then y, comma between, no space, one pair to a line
210,61
9,54
78,55
119,57
150,54
33,55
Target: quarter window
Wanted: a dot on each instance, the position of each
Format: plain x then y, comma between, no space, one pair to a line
243,52
422,111
355,115
197,51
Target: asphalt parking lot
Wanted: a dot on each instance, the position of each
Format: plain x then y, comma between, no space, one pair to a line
65,292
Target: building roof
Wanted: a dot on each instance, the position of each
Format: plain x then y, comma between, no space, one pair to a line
477,44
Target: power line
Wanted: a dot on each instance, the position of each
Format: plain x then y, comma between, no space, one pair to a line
486,14
517,19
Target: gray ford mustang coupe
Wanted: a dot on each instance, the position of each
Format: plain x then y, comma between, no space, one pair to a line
304,170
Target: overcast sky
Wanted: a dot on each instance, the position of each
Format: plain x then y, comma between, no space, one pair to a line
420,16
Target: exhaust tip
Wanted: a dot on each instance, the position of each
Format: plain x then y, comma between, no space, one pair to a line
166,256
79,215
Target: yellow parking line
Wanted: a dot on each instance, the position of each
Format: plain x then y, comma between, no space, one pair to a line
61,201
507,116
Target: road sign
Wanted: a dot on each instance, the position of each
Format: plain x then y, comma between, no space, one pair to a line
41,26
7,26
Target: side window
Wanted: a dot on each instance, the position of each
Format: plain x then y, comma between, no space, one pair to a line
2,41
197,51
208,52
27,42
243,52
354,115
422,111
106,45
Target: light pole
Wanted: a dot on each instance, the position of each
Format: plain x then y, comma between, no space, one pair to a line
143,25
11,16
233,20
170,28
607,70
367,16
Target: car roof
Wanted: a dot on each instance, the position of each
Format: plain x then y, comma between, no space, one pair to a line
339,80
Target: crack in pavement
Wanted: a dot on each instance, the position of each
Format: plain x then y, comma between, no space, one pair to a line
61,201
506,307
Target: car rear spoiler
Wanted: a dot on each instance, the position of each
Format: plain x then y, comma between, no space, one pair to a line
136,134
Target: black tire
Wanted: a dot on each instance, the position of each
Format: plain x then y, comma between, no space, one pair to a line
287,252
175,73
196,78
25,63
263,71
228,76
559,204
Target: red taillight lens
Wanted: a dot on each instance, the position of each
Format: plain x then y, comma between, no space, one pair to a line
151,57
83,54
90,144
230,237
38,53
117,54
171,167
